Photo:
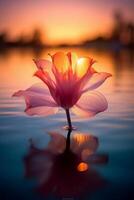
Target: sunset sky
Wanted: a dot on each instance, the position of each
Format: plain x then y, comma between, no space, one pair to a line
69,21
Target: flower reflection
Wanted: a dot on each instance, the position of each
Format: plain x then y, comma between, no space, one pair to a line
65,167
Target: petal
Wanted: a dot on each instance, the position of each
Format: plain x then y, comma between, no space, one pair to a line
43,63
72,59
90,104
44,76
96,80
84,144
61,62
38,163
83,64
38,100
45,68
47,79
41,111
57,143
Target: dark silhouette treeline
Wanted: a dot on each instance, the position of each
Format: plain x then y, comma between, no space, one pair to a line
22,41
121,36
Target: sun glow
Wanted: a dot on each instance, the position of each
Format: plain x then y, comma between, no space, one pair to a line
65,22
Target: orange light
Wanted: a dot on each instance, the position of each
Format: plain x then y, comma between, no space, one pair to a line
82,167
61,62
80,139
82,66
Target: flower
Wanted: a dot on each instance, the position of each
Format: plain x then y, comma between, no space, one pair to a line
70,83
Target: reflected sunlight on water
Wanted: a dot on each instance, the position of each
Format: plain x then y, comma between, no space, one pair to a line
82,167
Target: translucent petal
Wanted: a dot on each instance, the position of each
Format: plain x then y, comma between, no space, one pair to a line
42,63
90,104
96,80
61,62
38,100
72,59
83,64
45,66
41,111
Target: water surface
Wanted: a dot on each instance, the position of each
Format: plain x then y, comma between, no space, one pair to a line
114,128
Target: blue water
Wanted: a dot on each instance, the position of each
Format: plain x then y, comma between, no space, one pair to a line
114,128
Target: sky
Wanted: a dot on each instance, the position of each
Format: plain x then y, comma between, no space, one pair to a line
62,21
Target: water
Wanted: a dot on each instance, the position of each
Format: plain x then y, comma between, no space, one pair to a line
114,128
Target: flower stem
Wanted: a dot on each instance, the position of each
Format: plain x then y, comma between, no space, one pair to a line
68,119
68,140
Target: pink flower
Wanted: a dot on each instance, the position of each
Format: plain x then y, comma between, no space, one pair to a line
70,83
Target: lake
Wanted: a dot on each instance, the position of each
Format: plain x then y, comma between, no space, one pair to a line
24,138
